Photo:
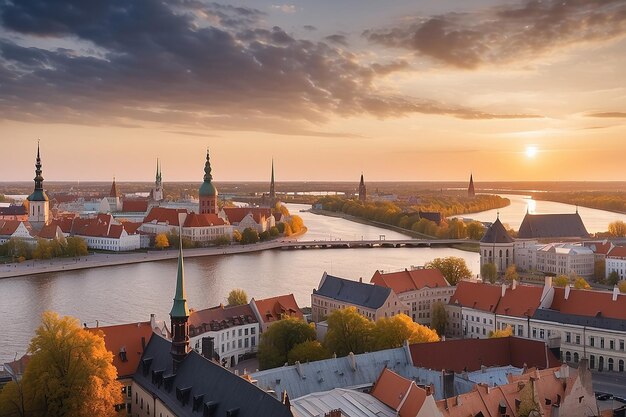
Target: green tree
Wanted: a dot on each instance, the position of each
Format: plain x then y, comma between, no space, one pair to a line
348,331
613,278
222,240
617,228
511,274
237,297
391,332
439,318
76,246
281,227
265,235
599,271
43,250
309,351
274,231
70,373
249,235
475,230
161,241
506,332
452,268
280,338
561,281
581,284
488,272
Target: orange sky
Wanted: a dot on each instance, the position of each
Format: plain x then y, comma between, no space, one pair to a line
415,92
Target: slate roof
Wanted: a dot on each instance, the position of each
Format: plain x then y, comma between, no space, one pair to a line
220,317
433,216
351,403
496,234
412,280
13,210
588,321
541,226
202,383
353,292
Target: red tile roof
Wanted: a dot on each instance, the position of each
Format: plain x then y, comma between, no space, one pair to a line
618,252
469,354
135,206
18,366
220,317
398,393
203,220
406,280
599,248
272,309
589,303
131,227
164,215
100,226
237,214
8,227
49,231
65,223
476,295
521,301
127,338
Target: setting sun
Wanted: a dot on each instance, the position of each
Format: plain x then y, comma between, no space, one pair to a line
531,151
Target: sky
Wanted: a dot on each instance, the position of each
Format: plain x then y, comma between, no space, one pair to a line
397,90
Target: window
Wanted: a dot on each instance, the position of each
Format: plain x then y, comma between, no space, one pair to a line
592,362
136,398
520,330
621,365
568,337
578,339
252,330
602,342
142,403
541,334
534,332
240,332
621,344
568,356
253,341
612,344
128,391
575,357
592,342
610,361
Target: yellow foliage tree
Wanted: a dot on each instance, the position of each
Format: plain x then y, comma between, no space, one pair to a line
70,373
622,286
161,241
506,332
581,284
511,274
561,281
617,228
237,297
391,332
348,331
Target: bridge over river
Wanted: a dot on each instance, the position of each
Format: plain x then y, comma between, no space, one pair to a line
378,243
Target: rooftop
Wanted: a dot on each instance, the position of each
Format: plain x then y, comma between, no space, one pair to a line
476,295
589,303
540,226
220,317
272,309
410,280
353,292
496,234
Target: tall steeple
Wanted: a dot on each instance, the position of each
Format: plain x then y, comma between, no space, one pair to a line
157,191
179,314
208,192
38,177
113,193
471,193
272,187
38,206
362,190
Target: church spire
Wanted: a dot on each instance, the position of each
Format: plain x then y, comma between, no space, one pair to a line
471,193
113,192
207,168
272,186
362,190
38,178
179,315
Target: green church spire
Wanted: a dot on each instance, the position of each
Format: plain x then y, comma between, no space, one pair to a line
179,308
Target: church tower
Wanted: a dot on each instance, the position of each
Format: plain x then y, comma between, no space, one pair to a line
179,315
471,193
208,192
38,204
157,192
362,190
272,188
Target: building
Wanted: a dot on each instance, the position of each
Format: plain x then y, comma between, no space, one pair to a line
14,212
173,380
241,218
563,259
234,331
362,190
615,261
372,301
270,310
600,248
497,247
157,191
203,228
272,196
471,193
552,226
433,216
207,193
112,202
38,202
103,232
418,288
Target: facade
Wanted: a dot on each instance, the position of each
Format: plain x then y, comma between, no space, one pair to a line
371,301
362,190
616,262
202,228
270,310
38,202
471,193
419,289
14,212
564,259
497,247
234,330
103,232
112,201
242,218
207,193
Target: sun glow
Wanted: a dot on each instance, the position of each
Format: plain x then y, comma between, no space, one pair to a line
531,151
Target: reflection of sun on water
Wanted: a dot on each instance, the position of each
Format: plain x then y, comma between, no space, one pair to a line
531,205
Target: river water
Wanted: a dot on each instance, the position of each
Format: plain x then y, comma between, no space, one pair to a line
129,293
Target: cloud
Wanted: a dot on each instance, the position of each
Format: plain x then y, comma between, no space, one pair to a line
507,34
337,39
285,8
309,27
187,65
610,114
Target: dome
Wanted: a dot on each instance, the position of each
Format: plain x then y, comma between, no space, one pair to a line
207,189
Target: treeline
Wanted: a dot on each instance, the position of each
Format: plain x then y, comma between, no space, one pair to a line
611,201
20,250
391,214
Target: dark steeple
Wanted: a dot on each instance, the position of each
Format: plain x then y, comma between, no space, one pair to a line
207,188
362,190
113,192
179,314
38,194
471,193
158,173
272,186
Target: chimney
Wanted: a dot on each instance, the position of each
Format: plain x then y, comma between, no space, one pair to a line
548,282
615,293
153,321
361,279
503,289
458,400
299,369
568,288
352,360
514,284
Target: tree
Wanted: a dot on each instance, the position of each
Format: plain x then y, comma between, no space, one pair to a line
391,332
489,272
617,228
161,241
528,406
439,318
280,338
308,351
511,274
274,231
561,281
613,278
599,271
622,287
348,331
265,235
42,250
475,230
70,373
452,268
506,332
581,284
249,235
237,297
76,246
237,236
222,240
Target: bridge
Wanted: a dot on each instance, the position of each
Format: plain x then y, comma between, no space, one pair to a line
378,243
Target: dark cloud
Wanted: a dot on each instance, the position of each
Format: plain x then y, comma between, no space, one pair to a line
185,63
337,39
610,114
309,27
508,33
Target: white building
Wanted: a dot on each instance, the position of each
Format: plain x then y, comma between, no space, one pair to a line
196,227
497,247
564,259
616,262
103,232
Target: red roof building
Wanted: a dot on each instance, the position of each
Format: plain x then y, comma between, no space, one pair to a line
134,206
270,310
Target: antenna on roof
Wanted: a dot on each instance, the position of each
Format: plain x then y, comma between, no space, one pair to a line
498,214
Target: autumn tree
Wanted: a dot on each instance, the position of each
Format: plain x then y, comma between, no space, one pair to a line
622,286
249,235
76,246
274,231
511,274
506,332
581,284
391,332
308,351
236,236
439,318
161,241
454,269
237,297
599,271
475,230
617,228
561,281
282,337
488,272
528,406
348,331
613,278
70,373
